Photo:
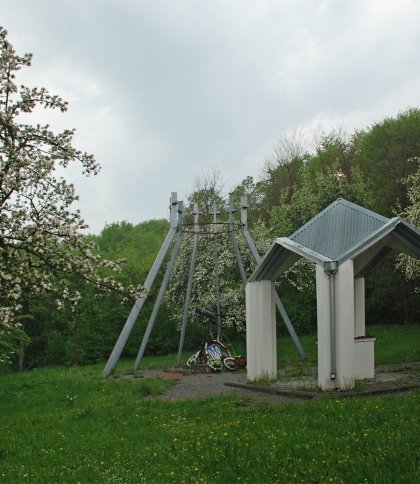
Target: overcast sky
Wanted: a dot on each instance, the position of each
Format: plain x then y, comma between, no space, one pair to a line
165,91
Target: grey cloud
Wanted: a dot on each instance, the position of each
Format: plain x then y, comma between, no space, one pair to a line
163,91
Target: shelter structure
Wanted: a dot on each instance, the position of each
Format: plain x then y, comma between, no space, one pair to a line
172,245
345,241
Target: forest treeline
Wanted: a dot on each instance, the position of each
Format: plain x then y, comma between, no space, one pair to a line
376,167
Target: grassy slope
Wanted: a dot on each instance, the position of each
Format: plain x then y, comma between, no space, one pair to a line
69,425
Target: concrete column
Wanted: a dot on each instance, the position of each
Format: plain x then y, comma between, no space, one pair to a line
359,307
345,322
261,342
335,317
324,330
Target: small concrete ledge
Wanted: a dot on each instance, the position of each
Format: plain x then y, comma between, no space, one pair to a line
307,395
364,357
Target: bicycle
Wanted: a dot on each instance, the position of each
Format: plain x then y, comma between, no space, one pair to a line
214,353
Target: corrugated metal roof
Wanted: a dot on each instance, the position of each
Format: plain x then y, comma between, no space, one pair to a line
338,228
342,231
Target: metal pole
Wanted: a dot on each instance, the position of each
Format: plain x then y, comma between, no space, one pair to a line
162,289
257,257
190,282
128,326
216,269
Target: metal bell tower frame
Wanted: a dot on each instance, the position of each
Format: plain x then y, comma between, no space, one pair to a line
177,231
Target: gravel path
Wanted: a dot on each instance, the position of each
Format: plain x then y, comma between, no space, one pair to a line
203,385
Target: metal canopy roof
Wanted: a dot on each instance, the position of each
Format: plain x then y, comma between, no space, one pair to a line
342,231
336,229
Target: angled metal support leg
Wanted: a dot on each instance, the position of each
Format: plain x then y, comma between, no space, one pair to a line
196,214
161,293
289,326
257,257
235,243
128,326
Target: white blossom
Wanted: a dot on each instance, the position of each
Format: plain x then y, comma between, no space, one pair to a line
41,243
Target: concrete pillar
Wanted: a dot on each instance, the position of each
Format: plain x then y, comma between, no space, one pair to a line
261,344
359,307
345,321
335,317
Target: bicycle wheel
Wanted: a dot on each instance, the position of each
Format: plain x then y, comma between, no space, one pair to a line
230,363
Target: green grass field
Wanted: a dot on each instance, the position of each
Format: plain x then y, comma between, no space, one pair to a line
69,425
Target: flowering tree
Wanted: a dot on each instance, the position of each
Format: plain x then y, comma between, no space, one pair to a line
41,245
410,266
232,294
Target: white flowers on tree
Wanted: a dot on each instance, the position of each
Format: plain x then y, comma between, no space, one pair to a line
41,245
410,266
